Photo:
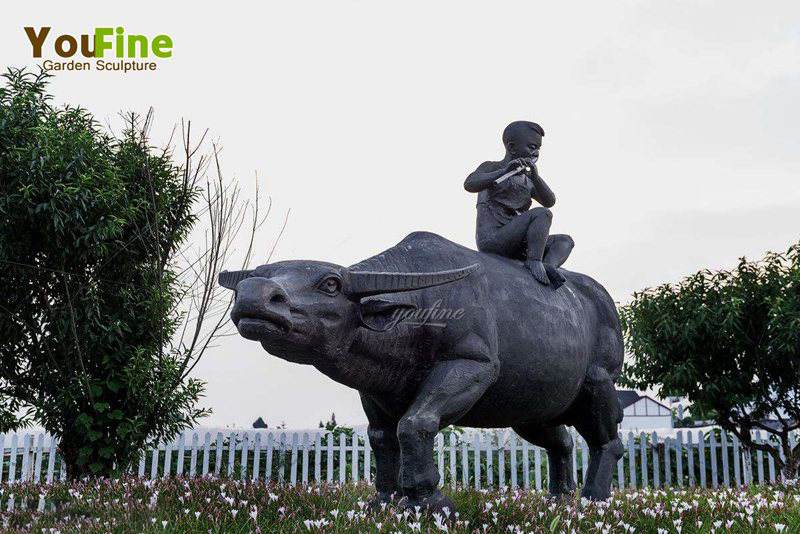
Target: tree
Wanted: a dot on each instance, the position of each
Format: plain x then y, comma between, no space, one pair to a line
107,307
730,342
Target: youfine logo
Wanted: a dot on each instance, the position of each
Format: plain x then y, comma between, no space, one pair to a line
133,52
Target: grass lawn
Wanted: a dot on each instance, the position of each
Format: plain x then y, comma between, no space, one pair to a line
220,505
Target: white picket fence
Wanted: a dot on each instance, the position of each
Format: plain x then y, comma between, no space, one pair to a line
691,458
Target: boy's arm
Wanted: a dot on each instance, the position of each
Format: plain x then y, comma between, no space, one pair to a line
486,175
541,192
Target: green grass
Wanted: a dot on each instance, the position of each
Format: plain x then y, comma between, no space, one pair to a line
220,505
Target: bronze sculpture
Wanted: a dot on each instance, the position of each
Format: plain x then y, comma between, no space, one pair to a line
521,354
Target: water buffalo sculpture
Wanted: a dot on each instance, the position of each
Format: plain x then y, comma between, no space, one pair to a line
502,351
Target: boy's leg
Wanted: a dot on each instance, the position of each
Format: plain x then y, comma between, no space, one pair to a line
538,229
556,252
558,249
533,226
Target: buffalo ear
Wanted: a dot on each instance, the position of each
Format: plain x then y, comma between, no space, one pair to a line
229,279
380,315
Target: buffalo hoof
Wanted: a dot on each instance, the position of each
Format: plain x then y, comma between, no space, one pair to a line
562,491
596,494
436,503
379,501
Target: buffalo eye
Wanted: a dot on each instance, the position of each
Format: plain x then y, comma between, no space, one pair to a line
330,285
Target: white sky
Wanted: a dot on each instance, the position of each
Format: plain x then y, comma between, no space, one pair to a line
671,132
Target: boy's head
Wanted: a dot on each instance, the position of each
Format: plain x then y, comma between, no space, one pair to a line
523,139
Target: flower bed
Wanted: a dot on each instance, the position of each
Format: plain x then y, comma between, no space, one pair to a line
223,505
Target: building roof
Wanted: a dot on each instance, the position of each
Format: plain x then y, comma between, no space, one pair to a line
627,397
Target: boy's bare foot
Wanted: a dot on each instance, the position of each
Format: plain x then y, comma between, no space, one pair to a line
536,267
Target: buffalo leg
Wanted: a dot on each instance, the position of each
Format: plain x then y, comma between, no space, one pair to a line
559,446
600,413
451,388
382,433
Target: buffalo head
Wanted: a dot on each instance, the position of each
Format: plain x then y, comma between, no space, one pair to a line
301,309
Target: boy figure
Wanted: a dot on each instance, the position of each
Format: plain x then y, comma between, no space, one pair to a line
506,225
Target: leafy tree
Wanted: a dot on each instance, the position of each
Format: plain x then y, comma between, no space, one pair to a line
105,309
730,342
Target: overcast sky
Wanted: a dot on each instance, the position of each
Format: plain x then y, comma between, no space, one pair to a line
672,132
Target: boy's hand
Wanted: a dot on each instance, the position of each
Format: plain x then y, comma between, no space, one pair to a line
514,165
529,165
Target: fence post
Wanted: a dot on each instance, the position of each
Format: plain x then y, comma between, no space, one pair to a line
440,458
526,477
27,443
476,444
354,466
584,459
656,468
770,461
737,471
167,459
2,454
231,452
489,460
257,456
293,464
690,457
712,447
513,458
193,455
304,472
501,464
206,453
142,462
12,460
701,450
464,464
329,466
367,460
631,461
452,459
643,449
342,459
154,462
37,473
318,458
181,453
218,455
679,457
726,478
268,457
574,458
667,462
281,464
244,455
537,461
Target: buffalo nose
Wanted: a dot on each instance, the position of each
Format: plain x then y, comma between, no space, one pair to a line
256,294
263,290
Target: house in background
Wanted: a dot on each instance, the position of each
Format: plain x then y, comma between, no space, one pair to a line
642,412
